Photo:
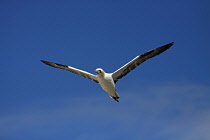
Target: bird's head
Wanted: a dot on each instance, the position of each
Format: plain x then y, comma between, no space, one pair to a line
99,71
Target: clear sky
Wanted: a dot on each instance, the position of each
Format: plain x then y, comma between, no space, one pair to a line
167,97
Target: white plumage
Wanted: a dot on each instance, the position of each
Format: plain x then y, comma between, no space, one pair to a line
108,80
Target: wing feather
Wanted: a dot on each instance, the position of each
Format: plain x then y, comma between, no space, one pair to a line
124,70
72,69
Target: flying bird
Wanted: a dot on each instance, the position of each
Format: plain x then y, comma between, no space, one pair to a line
108,80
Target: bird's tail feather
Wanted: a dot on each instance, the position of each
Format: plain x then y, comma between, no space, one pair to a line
117,95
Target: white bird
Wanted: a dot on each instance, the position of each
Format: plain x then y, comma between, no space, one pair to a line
108,80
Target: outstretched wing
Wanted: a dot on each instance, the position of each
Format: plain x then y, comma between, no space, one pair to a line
72,69
138,60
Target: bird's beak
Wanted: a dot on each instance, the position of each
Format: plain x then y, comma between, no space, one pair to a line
95,71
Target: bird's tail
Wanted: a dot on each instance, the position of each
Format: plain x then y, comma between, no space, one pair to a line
116,97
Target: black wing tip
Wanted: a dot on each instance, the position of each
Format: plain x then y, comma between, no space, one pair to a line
45,62
52,64
170,44
167,46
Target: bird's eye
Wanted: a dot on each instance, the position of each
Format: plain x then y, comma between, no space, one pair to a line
99,71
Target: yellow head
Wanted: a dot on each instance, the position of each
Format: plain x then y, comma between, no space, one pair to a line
99,71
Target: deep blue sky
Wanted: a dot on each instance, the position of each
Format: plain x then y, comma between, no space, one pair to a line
167,97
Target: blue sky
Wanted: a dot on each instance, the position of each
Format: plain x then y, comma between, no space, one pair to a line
166,98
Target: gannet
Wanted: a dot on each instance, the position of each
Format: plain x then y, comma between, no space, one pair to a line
108,80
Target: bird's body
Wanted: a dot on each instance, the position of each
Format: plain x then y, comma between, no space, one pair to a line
107,83
108,80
